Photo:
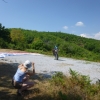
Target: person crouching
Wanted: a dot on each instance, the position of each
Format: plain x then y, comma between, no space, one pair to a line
20,79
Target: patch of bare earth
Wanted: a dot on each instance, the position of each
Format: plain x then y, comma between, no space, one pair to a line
12,51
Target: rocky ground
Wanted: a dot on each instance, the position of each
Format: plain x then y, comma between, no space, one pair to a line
47,66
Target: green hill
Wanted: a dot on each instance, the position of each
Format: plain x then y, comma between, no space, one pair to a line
43,42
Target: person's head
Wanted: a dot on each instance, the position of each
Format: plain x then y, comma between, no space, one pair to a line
55,47
27,64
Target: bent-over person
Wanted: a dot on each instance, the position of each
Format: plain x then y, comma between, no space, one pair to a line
20,80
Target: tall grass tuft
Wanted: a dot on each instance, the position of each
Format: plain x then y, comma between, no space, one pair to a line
75,87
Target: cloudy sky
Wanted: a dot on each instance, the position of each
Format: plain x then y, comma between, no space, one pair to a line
79,17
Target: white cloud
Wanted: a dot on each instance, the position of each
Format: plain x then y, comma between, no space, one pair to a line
83,35
86,35
95,36
65,27
79,24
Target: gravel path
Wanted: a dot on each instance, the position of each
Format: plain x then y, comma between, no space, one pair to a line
48,66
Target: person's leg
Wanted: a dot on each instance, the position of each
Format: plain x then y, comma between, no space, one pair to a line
17,86
25,86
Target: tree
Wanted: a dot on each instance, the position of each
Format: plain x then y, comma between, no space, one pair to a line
17,35
4,33
18,39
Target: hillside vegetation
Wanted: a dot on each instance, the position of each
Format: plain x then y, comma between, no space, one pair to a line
43,42
59,86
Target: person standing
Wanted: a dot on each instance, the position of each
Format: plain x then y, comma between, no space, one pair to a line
55,52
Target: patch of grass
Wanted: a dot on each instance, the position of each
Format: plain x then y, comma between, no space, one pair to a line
38,51
87,62
59,87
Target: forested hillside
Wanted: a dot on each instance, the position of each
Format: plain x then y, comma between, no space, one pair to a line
69,45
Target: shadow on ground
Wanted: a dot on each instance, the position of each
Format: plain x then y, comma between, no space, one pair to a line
7,91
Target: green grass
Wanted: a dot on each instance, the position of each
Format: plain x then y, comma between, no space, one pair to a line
39,51
93,58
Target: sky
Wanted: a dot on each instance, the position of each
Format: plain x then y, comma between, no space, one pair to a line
78,17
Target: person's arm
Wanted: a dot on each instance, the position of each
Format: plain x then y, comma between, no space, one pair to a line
20,66
33,70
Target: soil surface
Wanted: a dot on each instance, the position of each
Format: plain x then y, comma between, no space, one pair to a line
47,65
11,51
